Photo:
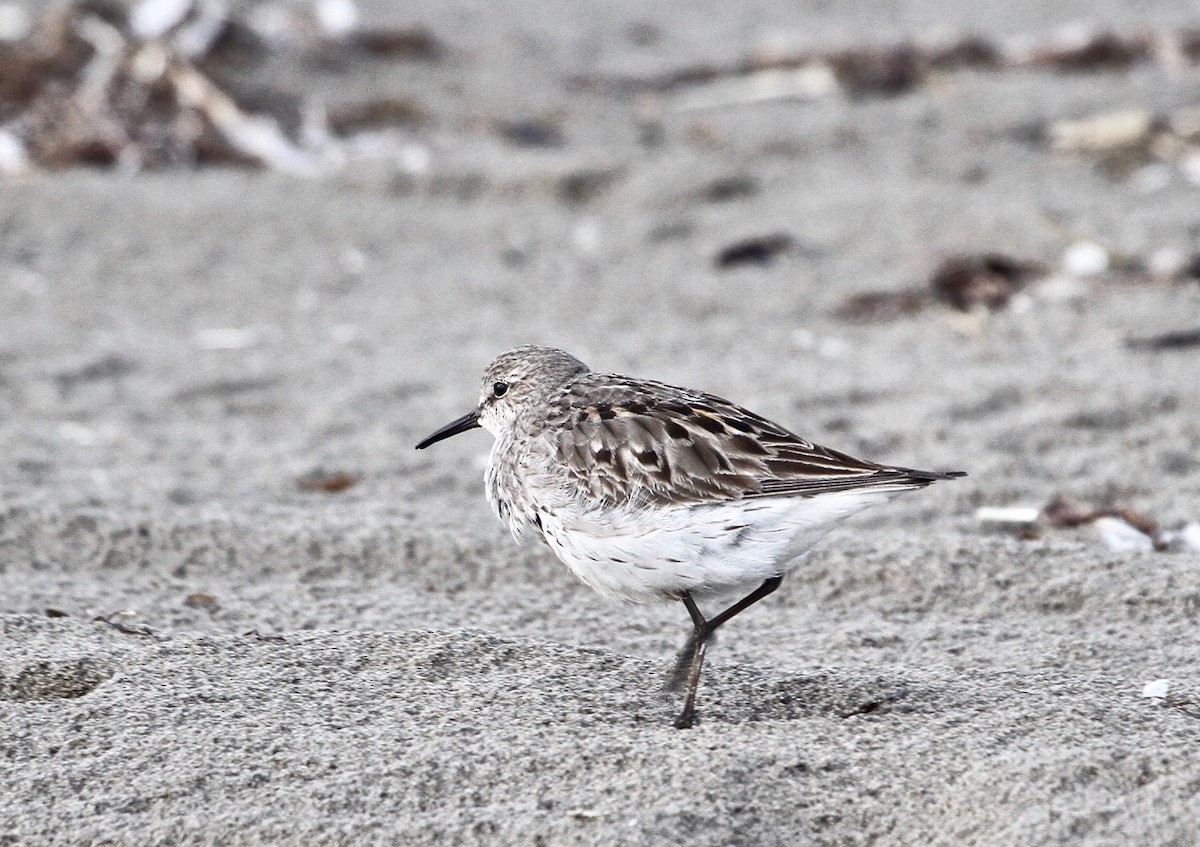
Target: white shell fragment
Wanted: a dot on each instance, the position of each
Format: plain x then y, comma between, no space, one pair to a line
415,158
1190,165
1158,689
1120,537
1167,262
1191,536
1008,517
15,22
154,18
815,81
1101,133
336,17
1062,288
13,158
1086,258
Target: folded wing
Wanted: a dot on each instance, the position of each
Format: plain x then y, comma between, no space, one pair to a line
645,443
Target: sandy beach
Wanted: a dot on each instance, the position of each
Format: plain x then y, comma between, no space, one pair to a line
200,645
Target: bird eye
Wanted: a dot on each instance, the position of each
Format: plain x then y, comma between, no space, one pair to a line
500,388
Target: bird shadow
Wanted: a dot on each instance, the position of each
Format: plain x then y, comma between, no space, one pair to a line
745,694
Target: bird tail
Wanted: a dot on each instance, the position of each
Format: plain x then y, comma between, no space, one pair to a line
923,478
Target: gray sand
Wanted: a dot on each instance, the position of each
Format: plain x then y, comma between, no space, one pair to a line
413,676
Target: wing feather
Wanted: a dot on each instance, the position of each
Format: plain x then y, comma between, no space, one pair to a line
644,443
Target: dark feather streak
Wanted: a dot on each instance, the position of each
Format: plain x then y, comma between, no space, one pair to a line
711,424
676,431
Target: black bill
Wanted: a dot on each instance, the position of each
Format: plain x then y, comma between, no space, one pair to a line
467,421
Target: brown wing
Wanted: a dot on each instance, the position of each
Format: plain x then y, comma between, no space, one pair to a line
646,443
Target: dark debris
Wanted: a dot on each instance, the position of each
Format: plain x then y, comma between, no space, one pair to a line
1167,341
415,43
327,482
532,132
381,113
761,251
989,280
1064,511
84,89
887,70
965,283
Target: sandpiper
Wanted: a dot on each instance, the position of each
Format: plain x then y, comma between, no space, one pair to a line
647,491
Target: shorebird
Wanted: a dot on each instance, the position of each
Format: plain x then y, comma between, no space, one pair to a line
647,491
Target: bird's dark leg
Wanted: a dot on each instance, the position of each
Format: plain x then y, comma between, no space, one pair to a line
683,661
746,602
692,655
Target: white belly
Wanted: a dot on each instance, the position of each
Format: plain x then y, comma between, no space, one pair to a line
714,548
